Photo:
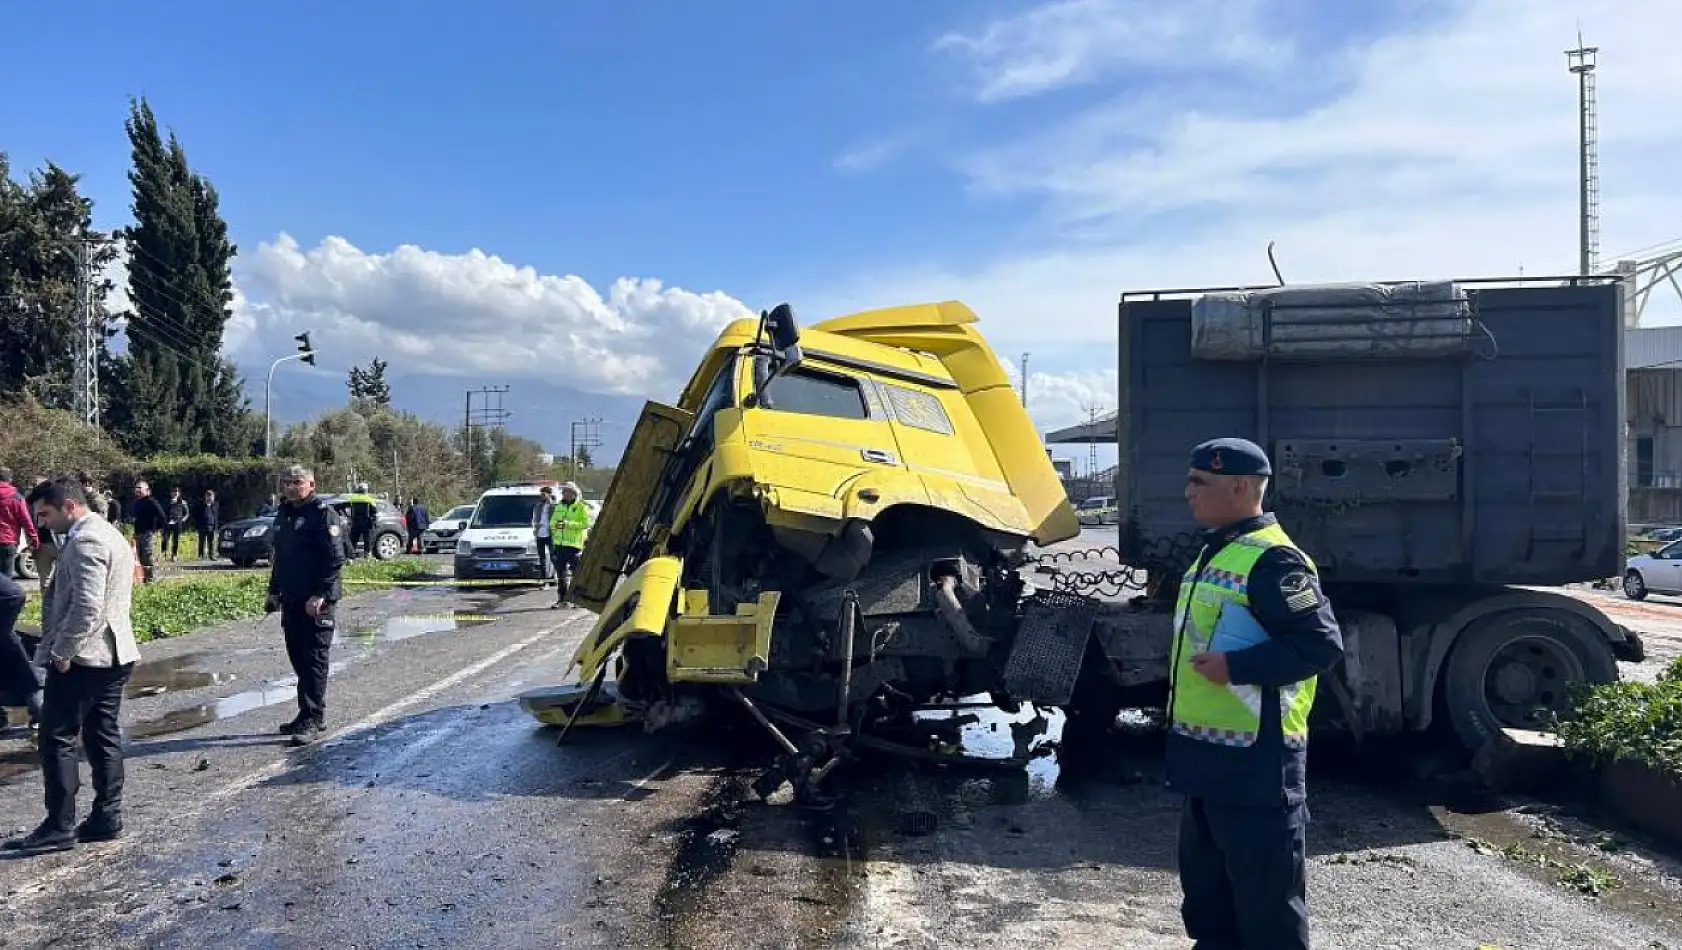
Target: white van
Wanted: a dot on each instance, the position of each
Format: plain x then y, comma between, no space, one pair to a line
500,539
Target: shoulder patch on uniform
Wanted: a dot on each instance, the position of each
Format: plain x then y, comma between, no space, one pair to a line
333,530
1298,591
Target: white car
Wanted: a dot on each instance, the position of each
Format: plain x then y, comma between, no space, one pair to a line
1097,511
1656,573
440,535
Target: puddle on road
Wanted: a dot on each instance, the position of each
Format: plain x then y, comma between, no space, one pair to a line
991,733
1537,846
418,625
173,675
270,693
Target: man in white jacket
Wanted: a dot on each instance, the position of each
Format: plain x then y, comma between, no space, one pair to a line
89,650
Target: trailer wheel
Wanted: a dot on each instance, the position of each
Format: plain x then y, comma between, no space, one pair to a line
1515,669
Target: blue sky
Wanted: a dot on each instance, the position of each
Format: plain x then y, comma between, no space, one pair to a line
636,173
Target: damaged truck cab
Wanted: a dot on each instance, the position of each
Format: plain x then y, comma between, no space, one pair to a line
828,524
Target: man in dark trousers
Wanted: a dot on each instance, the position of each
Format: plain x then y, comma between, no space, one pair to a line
20,680
149,518
1252,633
304,587
89,650
417,519
210,515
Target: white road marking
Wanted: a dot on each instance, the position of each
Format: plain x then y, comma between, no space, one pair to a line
46,880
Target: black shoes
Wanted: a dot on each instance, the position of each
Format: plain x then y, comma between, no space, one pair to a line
43,840
307,732
97,829
291,728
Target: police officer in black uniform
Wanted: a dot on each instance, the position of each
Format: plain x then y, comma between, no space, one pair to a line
309,551
1242,831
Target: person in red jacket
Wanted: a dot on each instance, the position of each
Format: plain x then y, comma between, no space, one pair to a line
15,522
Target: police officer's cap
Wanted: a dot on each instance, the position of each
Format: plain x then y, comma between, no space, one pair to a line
1231,457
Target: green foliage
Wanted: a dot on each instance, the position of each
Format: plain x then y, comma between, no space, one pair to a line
181,605
1629,720
394,452
42,223
370,383
174,393
36,440
241,484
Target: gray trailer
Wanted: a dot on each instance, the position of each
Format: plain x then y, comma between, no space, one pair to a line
1437,446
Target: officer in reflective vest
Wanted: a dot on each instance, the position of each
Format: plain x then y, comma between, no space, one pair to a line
1239,708
569,525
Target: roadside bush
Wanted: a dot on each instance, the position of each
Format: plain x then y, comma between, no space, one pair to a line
179,605
35,440
241,484
1627,720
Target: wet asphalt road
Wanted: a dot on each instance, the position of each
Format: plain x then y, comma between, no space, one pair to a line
440,815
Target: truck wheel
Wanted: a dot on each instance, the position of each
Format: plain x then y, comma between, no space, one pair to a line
1513,669
1634,587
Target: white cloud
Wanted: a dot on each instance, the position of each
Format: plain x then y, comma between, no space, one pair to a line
1446,150
471,313
872,154
1082,41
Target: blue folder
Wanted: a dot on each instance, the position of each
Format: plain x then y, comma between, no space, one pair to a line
1235,630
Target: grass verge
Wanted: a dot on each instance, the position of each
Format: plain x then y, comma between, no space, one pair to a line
178,605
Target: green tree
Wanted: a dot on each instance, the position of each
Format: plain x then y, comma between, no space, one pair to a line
370,384
44,221
177,392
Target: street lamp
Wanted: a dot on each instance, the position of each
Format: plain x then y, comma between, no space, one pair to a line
306,354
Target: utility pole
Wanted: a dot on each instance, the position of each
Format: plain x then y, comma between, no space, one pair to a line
586,434
305,354
1024,380
1092,410
487,416
85,399
1582,62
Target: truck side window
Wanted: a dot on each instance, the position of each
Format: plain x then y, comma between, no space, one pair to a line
720,395
816,394
918,409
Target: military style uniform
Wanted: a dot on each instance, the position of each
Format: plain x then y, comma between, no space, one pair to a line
1238,751
309,551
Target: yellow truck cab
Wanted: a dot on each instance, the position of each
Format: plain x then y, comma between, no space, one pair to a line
829,517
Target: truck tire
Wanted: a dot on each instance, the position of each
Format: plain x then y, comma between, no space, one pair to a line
1506,666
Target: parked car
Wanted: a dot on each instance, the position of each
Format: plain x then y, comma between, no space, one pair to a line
441,534
1659,572
249,540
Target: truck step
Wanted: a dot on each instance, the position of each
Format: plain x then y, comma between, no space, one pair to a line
1045,662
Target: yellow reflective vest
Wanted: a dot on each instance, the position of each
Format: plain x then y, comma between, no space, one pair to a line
1229,715
569,524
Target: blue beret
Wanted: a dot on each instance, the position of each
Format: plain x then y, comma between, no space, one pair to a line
1231,457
